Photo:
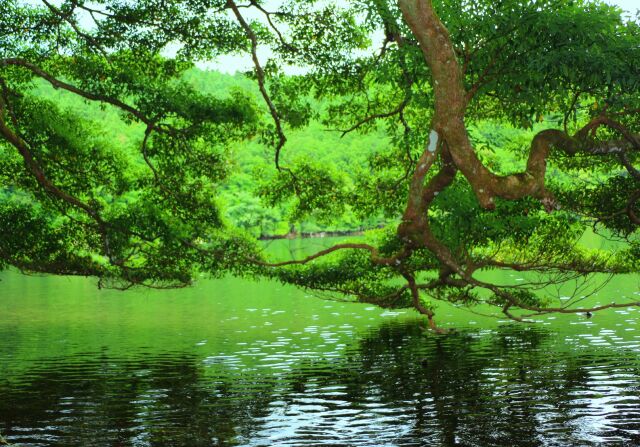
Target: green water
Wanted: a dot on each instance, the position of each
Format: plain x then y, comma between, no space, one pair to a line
233,362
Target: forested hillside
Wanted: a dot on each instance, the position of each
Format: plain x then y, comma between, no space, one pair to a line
244,195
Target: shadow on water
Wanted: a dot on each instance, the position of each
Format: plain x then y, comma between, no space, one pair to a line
155,400
393,387
511,387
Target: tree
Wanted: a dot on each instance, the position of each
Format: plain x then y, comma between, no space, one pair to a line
75,202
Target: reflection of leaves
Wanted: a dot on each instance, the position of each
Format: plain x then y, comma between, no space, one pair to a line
183,413
467,388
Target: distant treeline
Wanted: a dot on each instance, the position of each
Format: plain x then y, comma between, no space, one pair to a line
250,159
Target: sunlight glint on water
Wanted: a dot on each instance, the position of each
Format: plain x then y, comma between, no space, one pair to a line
257,364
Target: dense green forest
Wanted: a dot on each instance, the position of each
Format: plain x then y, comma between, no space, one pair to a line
480,135
242,195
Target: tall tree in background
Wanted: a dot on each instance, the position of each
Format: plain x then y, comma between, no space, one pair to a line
75,202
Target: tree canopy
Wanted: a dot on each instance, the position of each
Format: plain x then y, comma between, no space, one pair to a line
562,75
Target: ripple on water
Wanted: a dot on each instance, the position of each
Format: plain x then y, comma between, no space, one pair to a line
333,384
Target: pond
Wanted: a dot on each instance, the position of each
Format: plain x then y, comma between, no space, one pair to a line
237,363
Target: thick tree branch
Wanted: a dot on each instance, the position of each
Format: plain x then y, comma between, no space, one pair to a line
448,121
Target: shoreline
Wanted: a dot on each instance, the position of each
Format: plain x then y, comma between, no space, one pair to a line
316,234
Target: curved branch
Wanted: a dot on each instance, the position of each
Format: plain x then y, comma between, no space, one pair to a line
397,111
57,83
505,311
417,304
282,139
630,204
415,229
66,17
375,256
32,165
450,106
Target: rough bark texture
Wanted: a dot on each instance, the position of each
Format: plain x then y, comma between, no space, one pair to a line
453,147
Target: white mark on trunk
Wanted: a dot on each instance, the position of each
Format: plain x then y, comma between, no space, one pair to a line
433,141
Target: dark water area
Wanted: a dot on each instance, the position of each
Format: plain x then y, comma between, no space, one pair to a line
231,363
393,387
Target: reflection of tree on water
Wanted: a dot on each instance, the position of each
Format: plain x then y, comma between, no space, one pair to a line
396,387
152,401
457,385
505,389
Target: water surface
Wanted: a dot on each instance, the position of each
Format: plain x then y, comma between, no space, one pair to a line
238,363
